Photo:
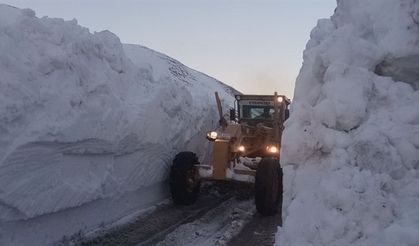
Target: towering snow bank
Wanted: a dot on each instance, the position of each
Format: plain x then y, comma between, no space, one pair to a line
86,133
351,146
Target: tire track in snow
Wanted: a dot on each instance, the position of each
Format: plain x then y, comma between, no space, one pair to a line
216,227
153,227
259,231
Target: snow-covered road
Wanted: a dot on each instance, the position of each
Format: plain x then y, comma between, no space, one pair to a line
151,227
259,231
216,227
223,215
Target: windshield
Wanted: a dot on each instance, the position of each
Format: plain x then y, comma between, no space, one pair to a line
257,112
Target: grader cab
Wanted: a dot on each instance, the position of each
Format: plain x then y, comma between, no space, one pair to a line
246,148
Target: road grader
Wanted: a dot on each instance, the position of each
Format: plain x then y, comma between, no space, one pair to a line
246,148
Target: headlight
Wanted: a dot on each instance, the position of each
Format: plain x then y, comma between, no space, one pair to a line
280,99
241,148
272,149
212,135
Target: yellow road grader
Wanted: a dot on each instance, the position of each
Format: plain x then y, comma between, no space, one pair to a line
246,148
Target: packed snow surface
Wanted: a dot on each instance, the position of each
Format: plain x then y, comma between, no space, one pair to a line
350,149
216,228
88,126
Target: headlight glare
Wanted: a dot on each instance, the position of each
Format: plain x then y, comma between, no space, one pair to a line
212,135
272,149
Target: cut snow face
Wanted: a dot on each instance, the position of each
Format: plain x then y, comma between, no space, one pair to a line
404,69
88,126
350,149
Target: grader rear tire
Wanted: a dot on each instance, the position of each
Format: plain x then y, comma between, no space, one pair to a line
268,187
184,178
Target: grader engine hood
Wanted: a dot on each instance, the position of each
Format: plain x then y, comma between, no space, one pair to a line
258,141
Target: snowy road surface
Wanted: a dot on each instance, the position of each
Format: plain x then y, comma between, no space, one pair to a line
223,215
216,227
259,231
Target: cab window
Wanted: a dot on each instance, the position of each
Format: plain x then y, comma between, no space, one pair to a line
257,112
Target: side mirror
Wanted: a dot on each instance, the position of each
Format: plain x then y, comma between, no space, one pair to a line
232,114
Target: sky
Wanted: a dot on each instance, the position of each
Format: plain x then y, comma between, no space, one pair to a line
256,46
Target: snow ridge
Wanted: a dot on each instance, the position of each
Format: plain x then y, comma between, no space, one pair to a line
88,126
350,148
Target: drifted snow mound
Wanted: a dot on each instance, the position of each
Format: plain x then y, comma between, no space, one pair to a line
351,146
88,127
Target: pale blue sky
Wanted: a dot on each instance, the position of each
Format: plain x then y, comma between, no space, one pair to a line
253,45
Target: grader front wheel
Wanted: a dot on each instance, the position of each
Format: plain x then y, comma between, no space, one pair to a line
184,178
268,187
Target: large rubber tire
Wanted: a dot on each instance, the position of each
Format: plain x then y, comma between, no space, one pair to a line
184,178
268,187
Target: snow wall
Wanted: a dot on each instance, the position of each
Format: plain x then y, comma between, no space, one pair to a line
351,146
88,126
